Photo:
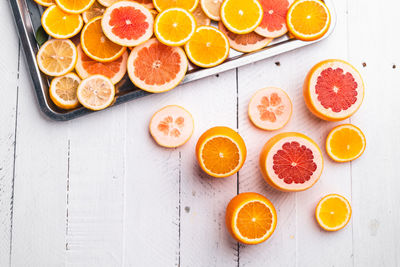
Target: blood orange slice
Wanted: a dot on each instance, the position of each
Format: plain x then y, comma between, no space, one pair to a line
333,90
245,43
127,23
291,162
270,108
273,24
155,67
171,126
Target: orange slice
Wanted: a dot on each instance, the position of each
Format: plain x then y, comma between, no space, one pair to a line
333,212
147,3
200,17
63,91
94,11
221,152
59,24
75,6
308,20
96,45
241,16
345,143
250,218
96,92
174,26
45,3
212,8
208,47
189,5
172,126
57,57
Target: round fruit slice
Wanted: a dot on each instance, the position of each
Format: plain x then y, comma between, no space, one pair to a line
96,92
333,212
94,11
57,57
59,24
114,70
212,8
174,26
273,24
127,23
189,5
171,126
291,162
333,90
96,45
155,67
74,6
208,47
146,3
270,109
63,91
45,3
221,152
241,16
245,43
345,143
308,20
200,17
250,218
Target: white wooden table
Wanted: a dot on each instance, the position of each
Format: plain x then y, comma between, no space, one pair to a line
97,191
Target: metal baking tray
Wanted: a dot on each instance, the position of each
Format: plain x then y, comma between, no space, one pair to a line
27,18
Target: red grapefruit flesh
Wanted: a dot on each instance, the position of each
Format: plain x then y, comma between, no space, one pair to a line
273,24
127,23
114,70
171,126
245,43
270,109
291,162
155,67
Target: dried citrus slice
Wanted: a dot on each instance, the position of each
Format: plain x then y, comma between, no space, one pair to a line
45,3
127,23
291,162
59,24
333,212
174,26
208,47
155,67
241,16
96,45
96,92
221,152
63,91
189,5
94,11
250,218
57,57
200,17
273,24
270,109
172,126
308,20
211,8
333,90
248,42
345,143
74,6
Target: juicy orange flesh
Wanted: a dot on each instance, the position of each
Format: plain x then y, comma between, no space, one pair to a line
333,212
185,4
175,26
96,92
220,155
66,88
309,17
57,56
62,23
254,220
75,4
346,143
241,14
207,46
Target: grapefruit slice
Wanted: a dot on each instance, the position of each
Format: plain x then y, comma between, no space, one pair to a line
127,23
96,92
273,24
172,126
270,109
291,162
155,67
114,70
245,43
333,90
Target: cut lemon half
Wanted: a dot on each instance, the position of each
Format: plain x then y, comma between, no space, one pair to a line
96,92
45,3
75,6
59,24
189,5
63,91
333,212
94,11
212,8
241,16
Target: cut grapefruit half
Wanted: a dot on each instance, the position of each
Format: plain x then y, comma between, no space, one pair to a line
273,24
333,90
270,109
172,126
291,162
245,43
155,67
127,23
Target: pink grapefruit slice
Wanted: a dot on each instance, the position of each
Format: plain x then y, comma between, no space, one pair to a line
245,43
333,90
172,126
291,162
273,24
127,23
270,109
155,67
